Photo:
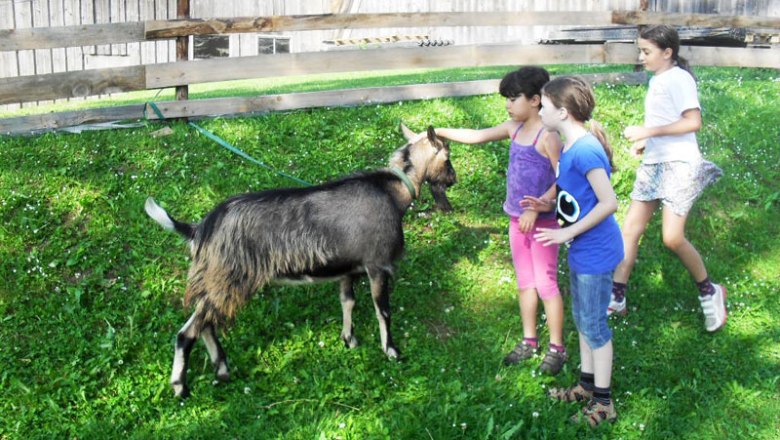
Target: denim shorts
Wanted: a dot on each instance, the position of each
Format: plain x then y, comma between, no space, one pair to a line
590,294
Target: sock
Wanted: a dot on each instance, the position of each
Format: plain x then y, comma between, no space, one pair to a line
533,342
587,381
602,395
619,291
705,287
558,348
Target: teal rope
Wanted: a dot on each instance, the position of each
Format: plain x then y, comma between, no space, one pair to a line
227,145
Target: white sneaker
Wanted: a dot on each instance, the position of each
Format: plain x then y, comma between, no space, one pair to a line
618,307
714,308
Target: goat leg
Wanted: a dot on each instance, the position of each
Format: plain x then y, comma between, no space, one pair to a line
347,296
185,340
216,353
381,295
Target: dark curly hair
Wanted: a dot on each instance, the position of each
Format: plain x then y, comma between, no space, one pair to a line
527,81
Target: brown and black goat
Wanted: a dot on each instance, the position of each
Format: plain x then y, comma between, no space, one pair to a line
339,230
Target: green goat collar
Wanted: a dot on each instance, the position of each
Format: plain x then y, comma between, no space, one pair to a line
405,179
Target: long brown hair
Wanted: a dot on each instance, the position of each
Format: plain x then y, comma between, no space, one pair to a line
575,95
666,37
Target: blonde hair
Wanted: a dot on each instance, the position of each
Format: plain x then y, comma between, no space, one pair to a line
575,95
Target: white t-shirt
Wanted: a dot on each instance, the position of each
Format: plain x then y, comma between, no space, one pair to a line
669,95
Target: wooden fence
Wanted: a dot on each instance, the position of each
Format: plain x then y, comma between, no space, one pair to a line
183,73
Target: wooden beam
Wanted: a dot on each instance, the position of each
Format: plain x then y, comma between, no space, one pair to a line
72,84
116,33
70,36
263,66
33,124
282,102
731,56
155,76
182,46
175,28
704,20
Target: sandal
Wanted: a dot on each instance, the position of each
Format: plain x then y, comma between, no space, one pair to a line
553,362
572,394
596,413
521,352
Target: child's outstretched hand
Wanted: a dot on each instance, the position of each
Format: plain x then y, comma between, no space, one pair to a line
530,203
638,148
636,133
526,220
547,236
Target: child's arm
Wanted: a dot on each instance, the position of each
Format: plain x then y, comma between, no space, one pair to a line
606,206
689,123
471,136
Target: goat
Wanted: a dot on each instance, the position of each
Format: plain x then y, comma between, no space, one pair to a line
339,230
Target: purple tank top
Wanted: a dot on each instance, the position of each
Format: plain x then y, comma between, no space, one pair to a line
529,174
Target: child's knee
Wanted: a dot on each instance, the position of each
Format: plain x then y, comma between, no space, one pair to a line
596,336
674,241
548,292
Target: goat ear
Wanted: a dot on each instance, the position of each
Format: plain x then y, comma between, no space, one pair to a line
408,134
432,136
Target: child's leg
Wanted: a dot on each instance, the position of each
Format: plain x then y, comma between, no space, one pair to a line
520,244
673,227
634,225
602,365
593,292
711,296
546,277
596,344
529,302
553,308
586,356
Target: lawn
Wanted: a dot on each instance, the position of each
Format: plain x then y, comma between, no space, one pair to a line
91,288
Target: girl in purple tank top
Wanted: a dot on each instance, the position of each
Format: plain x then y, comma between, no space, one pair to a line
533,156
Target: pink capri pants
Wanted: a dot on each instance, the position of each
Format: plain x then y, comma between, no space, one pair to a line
536,266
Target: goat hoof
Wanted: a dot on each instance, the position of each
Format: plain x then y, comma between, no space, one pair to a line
181,391
222,372
350,342
392,353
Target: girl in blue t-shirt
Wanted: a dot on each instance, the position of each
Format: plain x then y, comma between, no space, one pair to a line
585,203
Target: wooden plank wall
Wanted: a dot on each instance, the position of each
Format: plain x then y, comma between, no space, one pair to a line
21,14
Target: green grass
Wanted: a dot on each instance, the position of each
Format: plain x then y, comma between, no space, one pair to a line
90,288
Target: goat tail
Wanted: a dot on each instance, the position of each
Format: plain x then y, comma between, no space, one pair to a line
158,214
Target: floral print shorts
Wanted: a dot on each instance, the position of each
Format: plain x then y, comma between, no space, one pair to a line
676,184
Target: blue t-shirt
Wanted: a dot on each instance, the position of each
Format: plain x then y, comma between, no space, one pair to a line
599,249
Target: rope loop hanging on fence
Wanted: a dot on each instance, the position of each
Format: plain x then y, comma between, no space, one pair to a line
226,145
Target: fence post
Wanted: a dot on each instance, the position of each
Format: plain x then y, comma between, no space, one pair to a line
182,46
643,6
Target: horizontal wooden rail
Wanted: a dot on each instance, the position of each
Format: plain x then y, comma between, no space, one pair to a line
71,36
115,33
156,76
175,28
282,102
704,20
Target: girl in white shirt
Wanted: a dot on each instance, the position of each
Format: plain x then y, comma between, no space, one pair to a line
672,174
